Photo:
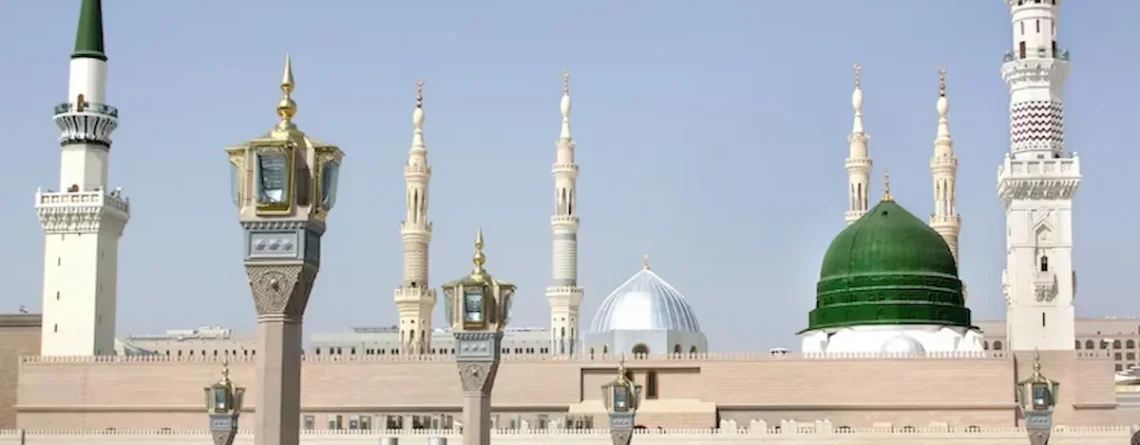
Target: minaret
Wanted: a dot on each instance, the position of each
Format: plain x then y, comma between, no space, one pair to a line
858,162
83,221
1037,182
563,293
415,298
944,171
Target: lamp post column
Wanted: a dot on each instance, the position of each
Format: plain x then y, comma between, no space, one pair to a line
622,398
477,356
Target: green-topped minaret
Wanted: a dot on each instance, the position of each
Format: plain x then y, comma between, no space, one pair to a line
89,37
888,283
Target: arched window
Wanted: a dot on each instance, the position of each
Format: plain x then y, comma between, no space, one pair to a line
693,349
1044,263
908,429
997,345
844,429
677,349
1077,345
1130,344
640,349
1104,344
1089,344
651,385
986,346
1116,344
605,349
973,429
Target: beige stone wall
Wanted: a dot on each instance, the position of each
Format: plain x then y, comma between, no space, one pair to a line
19,336
1009,436
160,392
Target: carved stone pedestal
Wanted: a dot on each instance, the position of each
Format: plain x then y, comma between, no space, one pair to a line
1039,424
621,428
477,356
280,292
223,428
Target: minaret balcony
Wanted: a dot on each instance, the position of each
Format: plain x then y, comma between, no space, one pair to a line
565,168
95,198
417,170
1040,53
86,123
853,163
564,219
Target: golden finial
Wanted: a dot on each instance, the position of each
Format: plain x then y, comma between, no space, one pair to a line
479,259
887,185
858,79
1036,363
942,81
286,108
645,261
621,367
566,82
225,371
419,93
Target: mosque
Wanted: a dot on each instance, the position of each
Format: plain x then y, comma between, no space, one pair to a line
890,319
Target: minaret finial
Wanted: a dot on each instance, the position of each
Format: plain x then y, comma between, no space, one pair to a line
887,185
286,108
89,36
565,105
645,261
942,81
479,259
225,370
857,101
418,114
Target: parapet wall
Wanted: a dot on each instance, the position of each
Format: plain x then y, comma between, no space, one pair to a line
1117,435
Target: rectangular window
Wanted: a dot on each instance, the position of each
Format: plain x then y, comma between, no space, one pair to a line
1042,319
310,421
1021,50
366,422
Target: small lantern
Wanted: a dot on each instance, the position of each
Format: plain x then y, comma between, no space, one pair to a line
1037,393
223,397
478,302
621,395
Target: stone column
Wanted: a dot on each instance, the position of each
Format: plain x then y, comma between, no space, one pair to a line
280,292
621,427
477,355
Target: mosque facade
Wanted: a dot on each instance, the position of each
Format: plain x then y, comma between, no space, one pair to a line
890,345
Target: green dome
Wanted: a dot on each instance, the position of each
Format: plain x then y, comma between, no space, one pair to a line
888,268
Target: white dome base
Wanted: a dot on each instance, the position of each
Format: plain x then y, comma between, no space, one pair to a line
893,339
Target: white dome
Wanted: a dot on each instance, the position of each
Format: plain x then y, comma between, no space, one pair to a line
645,302
902,344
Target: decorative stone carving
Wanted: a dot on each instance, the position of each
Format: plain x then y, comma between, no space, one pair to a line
224,437
621,437
478,376
280,289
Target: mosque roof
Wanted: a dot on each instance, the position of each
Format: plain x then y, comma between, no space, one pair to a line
645,302
889,267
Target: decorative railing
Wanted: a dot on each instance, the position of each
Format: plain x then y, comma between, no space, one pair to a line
1011,56
88,107
114,199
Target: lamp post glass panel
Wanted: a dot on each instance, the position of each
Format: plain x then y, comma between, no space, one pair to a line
223,406
478,309
622,398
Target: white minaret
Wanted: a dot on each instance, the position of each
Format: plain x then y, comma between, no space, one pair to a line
1037,182
564,294
415,298
858,162
944,171
83,221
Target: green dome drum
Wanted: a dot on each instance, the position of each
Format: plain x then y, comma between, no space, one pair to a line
888,268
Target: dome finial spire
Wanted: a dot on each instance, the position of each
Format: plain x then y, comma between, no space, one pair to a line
645,261
887,185
418,115
857,100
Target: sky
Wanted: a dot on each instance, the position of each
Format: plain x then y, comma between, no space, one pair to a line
711,137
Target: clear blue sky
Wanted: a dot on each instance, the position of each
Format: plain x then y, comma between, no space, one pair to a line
711,137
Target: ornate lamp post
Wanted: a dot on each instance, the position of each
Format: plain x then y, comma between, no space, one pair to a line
284,185
223,405
478,308
622,398
1037,396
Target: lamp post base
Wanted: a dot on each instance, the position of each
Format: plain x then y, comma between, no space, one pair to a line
621,427
1039,423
